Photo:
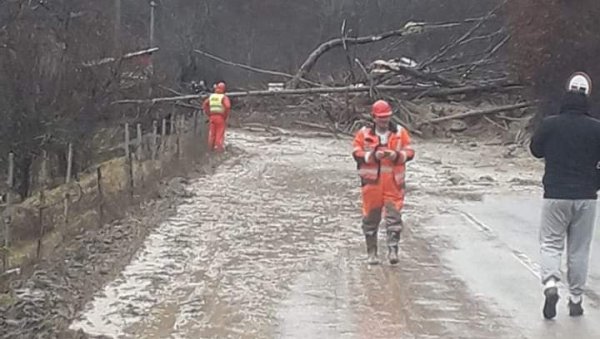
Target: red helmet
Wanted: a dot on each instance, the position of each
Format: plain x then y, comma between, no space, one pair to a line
381,109
220,88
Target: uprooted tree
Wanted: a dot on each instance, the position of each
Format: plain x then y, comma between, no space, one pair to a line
463,57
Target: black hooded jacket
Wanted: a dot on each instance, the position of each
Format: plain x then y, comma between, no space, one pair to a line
570,144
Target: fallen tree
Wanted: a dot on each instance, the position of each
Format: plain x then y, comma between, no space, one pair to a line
462,68
480,112
252,68
426,92
410,28
107,60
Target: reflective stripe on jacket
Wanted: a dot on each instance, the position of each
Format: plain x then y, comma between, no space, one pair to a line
366,143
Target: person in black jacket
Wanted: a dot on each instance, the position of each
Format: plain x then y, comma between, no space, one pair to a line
570,145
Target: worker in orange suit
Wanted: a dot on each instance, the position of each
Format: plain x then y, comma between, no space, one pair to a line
217,106
381,152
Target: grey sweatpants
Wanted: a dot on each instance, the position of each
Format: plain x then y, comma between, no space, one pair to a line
573,219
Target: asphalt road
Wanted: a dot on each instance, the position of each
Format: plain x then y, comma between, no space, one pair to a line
496,251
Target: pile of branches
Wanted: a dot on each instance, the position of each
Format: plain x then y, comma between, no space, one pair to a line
472,62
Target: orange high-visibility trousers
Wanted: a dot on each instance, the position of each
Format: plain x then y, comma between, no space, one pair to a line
216,132
386,195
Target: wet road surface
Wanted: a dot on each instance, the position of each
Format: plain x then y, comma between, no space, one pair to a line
496,250
270,246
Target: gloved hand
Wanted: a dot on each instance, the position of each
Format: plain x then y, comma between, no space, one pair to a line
400,157
380,154
392,155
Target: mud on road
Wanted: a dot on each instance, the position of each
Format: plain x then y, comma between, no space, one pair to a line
270,245
45,303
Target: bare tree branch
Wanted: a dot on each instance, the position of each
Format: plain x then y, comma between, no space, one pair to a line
420,74
487,56
408,29
369,78
465,65
170,90
112,59
344,36
253,69
464,37
480,112
483,37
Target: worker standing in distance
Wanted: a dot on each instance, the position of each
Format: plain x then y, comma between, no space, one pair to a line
217,106
381,152
570,145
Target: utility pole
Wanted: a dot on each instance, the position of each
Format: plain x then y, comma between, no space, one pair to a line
117,33
153,5
152,22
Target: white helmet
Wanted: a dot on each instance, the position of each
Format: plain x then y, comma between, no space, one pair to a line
580,82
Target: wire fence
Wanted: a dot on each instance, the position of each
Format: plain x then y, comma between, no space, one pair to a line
137,158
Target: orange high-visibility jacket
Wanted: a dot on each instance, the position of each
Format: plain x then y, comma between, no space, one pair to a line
366,143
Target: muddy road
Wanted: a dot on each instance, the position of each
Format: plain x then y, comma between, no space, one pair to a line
270,246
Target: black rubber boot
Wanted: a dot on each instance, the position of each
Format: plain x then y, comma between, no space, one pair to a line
371,240
392,239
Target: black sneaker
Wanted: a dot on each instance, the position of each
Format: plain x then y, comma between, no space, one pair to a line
575,309
550,304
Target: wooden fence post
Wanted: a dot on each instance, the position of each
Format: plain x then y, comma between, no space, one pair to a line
128,162
178,130
7,220
172,130
44,174
140,154
184,140
139,142
69,163
163,137
172,133
67,181
195,143
42,228
100,196
154,139
126,147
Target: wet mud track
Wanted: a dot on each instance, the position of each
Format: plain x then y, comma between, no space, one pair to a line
269,246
